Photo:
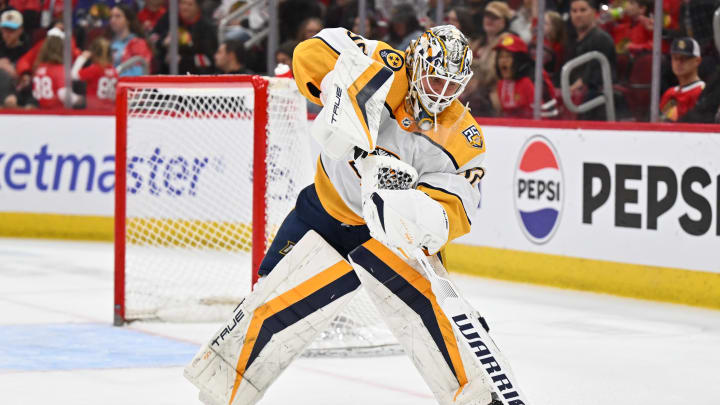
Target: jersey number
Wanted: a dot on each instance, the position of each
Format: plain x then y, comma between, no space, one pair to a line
106,88
43,88
474,175
359,41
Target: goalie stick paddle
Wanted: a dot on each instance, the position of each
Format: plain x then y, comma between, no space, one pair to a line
473,335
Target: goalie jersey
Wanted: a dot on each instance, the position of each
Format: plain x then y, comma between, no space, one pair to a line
447,157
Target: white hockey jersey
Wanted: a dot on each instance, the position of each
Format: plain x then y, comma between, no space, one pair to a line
447,158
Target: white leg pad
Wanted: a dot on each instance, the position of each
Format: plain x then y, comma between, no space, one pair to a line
274,324
409,325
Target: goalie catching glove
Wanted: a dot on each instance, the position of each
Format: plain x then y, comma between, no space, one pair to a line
353,95
406,219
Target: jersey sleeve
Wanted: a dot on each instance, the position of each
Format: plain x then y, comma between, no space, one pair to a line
457,195
89,73
456,188
316,57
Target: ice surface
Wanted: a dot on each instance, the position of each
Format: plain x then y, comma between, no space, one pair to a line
566,347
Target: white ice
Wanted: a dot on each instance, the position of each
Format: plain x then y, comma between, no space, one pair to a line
566,347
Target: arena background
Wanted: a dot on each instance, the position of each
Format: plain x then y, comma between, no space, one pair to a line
625,208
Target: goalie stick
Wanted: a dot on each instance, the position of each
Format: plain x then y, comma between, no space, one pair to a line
381,172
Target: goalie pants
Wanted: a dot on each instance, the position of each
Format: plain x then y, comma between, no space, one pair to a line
310,214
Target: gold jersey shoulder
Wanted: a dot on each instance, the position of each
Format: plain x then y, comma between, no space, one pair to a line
315,57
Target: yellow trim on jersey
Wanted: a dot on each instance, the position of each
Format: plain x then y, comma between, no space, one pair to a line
312,60
422,284
449,135
451,124
278,304
331,200
399,88
459,223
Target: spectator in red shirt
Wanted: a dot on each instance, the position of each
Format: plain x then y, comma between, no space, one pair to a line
100,76
553,44
128,40
633,32
678,100
151,13
515,88
48,81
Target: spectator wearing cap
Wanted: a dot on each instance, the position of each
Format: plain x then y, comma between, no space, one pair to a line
231,58
48,84
496,20
13,42
685,59
515,87
28,63
587,79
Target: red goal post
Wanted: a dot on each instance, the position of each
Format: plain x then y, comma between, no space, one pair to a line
179,100
189,232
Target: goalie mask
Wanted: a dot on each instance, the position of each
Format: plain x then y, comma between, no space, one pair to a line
439,68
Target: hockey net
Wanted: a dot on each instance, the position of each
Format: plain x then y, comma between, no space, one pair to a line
207,168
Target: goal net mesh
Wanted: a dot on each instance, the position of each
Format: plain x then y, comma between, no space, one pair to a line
189,209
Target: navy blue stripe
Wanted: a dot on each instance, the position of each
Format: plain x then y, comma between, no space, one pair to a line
410,295
301,309
326,43
449,155
371,88
442,190
387,107
380,205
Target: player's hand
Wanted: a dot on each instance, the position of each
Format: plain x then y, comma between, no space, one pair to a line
406,219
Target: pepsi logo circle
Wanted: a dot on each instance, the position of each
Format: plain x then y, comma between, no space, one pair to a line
538,189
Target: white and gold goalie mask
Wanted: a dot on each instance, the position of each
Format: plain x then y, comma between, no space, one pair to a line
438,65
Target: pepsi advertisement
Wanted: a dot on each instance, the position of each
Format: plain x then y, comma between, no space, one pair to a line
631,196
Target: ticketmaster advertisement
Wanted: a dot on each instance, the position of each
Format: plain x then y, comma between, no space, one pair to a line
57,164
649,198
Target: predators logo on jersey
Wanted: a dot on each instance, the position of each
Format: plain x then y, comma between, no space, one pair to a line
473,136
392,59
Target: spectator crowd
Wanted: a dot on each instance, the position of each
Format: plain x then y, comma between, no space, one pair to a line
111,39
